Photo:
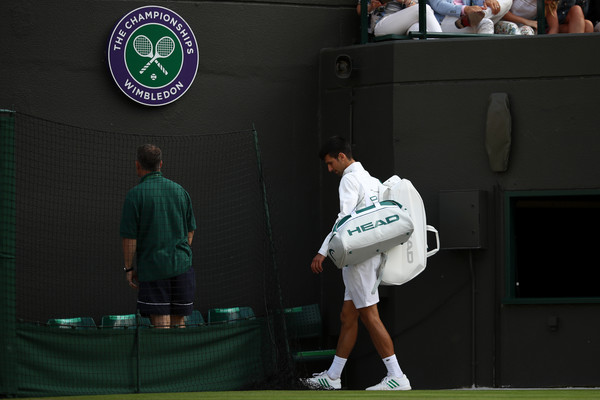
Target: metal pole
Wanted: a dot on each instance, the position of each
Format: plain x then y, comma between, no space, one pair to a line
423,19
364,20
541,17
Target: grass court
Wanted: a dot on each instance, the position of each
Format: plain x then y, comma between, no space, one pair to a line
470,394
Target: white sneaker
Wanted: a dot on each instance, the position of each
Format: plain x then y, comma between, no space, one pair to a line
322,381
392,383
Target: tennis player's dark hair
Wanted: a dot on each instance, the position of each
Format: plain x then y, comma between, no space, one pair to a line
334,146
149,156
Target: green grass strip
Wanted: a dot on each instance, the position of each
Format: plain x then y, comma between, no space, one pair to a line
525,394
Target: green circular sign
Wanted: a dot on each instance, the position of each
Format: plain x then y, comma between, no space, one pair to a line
153,55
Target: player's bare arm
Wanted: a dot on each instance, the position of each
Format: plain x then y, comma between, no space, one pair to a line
317,264
129,247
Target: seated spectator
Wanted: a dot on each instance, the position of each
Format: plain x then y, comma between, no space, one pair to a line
397,17
521,19
477,17
570,14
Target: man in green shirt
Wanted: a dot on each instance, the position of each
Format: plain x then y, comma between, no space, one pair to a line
157,226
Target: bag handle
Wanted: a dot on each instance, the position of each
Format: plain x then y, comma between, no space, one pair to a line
437,240
376,204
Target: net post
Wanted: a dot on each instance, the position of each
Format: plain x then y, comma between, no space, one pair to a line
8,385
138,379
288,354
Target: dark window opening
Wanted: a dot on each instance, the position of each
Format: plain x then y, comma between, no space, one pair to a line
554,241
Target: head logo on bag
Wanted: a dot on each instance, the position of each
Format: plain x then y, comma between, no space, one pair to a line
369,232
370,225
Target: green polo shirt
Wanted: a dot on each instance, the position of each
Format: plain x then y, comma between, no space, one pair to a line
158,214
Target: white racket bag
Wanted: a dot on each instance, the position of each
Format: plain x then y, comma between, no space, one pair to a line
409,260
368,232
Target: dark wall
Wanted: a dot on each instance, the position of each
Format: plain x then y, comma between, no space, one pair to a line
258,64
419,110
413,108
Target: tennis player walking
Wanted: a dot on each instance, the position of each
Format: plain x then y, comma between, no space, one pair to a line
157,226
356,185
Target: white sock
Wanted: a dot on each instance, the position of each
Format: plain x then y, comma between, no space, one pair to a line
335,371
393,368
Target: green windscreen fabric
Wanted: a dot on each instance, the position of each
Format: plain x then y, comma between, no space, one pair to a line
54,361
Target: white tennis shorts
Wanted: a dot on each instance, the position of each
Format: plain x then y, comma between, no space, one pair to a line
359,280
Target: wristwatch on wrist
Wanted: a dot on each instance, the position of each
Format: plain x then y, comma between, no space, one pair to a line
127,269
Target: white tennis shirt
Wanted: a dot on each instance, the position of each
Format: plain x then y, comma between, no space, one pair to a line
355,181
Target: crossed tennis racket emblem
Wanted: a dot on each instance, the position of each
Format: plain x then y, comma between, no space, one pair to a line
164,48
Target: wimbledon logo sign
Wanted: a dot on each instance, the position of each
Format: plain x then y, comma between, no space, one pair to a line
153,55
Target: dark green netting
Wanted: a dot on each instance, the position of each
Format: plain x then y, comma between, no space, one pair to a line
62,192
